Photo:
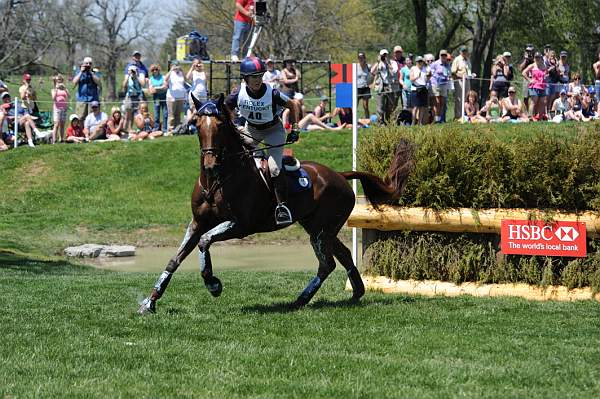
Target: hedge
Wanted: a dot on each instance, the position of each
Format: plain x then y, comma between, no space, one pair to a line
544,166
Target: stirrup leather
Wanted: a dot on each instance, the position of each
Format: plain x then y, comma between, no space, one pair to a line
283,215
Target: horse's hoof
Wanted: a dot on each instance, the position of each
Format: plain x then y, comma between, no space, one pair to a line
214,286
147,306
299,303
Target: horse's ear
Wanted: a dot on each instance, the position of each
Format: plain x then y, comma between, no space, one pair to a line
220,101
197,103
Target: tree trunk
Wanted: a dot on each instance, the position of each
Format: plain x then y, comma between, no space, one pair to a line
111,78
421,24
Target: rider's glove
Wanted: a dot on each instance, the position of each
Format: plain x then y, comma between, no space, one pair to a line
293,136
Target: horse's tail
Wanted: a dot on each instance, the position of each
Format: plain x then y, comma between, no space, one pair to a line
384,191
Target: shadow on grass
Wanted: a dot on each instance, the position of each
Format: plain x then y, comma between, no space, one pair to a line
288,307
21,262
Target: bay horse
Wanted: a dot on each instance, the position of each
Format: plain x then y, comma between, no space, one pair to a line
232,200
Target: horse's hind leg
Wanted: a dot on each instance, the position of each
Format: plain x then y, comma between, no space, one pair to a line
322,245
191,239
343,254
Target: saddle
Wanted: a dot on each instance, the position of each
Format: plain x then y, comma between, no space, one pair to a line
298,178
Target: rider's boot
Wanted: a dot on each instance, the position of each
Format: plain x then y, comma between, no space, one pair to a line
283,215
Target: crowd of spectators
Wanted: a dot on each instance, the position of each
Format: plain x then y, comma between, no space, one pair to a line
416,89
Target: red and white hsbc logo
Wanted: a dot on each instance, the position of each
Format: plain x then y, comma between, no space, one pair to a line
536,237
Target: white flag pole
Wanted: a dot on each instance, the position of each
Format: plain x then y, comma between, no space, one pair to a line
16,124
354,146
463,88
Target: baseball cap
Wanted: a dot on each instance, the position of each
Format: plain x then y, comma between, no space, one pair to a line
563,91
174,62
298,96
72,117
87,60
563,53
26,76
546,46
383,51
4,94
529,47
268,60
462,48
429,57
511,89
419,58
94,104
398,48
443,52
507,54
136,52
324,98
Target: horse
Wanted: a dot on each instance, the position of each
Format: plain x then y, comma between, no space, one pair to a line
231,199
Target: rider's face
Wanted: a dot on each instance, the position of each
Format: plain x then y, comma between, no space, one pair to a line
254,82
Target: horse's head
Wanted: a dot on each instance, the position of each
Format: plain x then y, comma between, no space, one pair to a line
215,131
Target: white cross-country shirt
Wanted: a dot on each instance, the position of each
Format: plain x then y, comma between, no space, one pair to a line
260,110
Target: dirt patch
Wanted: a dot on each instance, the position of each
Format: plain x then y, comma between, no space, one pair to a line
33,174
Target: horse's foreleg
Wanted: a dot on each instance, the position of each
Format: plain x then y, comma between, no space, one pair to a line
343,254
322,245
221,232
192,236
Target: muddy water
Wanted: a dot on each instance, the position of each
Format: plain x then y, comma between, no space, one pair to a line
254,257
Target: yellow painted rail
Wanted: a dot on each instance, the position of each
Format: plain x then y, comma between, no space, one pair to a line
461,220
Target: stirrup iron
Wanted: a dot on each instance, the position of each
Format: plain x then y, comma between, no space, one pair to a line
283,215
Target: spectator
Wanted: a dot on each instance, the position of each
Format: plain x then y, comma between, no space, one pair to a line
384,97
575,87
290,76
537,86
320,110
158,89
499,80
564,71
552,79
176,96
345,115
3,87
525,63
94,126
440,76
197,76
512,107
145,125
132,86
272,76
363,82
115,126
429,58
87,88
461,67
60,99
406,83
28,95
587,108
492,108
418,78
596,68
242,22
560,107
24,119
75,132
592,92
507,56
308,122
397,62
472,108
136,61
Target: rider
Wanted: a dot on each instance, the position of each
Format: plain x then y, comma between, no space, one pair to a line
260,105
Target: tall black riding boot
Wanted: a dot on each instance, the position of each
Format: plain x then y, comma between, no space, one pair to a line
283,215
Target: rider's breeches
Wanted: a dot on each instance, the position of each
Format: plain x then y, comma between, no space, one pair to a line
274,135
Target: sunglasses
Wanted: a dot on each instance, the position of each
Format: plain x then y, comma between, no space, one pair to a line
511,92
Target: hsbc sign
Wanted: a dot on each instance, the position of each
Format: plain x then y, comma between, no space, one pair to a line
536,237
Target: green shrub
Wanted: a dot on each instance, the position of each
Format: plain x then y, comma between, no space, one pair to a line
539,166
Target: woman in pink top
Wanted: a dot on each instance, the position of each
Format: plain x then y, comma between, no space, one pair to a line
537,86
60,97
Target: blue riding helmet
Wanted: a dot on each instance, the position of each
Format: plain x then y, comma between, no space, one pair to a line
252,66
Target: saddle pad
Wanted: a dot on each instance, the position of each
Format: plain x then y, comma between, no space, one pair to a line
298,181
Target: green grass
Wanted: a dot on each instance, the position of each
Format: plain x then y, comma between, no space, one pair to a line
69,331
135,193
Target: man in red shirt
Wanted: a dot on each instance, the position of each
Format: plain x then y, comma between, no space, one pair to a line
242,22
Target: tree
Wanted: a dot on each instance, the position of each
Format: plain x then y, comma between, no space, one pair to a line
119,24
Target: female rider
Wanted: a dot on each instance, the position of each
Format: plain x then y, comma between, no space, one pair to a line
260,105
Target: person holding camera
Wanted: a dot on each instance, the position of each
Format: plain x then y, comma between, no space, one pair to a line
420,95
176,96
527,60
87,88
384,96
132,85
136,60
499,79
242,23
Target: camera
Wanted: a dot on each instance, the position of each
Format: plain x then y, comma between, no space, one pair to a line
261,14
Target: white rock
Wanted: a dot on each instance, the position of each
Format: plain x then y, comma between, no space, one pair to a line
95,250
118,250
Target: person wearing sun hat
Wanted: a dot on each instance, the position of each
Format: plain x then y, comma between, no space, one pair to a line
384,97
